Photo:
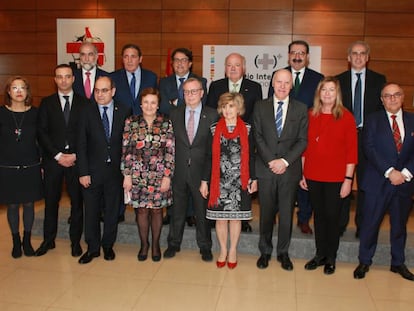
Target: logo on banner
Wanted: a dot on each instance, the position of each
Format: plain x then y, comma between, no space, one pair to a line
266,62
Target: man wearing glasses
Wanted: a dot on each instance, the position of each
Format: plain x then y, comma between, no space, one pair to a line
361,94
191,124
171,87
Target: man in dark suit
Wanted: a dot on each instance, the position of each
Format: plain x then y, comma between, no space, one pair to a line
88,57
235,69
388,144
191,124
131,79
280,130
58,122
305,84
99,154
170,87
366,90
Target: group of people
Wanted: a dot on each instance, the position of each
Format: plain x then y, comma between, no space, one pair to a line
121,138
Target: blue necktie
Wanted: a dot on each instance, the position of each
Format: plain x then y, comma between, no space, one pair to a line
105,122
279,118
132,85
180,89
358,101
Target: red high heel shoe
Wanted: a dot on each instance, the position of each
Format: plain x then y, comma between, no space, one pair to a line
220,264
232,265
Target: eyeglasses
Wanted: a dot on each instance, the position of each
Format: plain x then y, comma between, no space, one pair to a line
390,96
18,88
297,53
180,60
192,92
101,91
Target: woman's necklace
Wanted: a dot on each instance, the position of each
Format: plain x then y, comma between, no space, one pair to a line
18,129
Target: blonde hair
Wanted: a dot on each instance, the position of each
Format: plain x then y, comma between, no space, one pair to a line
338,108
236,98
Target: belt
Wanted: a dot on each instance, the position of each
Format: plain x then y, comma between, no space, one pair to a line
19,167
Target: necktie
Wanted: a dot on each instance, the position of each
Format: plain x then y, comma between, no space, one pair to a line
180,89
87,85
235,85
396,133
358,101
66,109
132,85
297,83
190,127
105,123
279,118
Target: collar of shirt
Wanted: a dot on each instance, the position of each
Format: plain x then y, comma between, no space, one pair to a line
301,74
177,78
91,77
109,112
238,82
354,77
63,100
137,73
284,107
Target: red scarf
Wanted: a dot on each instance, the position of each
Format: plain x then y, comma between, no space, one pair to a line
221,130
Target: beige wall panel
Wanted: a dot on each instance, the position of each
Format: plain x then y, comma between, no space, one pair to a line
389,24
399,72
259,39
260,22
390,6
46,43
386,48
150,43
194,42
17,21
328,23
128,4
21,5
131,21
67,5
18,64
195,21
195,5
45,64
329,5
333,67
48,18
17,42
261,5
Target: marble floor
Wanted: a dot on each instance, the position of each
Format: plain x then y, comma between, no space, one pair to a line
57,282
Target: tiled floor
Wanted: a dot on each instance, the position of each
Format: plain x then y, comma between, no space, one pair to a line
57,282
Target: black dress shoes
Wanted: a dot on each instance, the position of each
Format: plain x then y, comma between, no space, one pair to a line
285,262
315,263
141,255
403,271
206,255
44,247
88,257
360,271
170,252
109,253
263,261
329,268
76,250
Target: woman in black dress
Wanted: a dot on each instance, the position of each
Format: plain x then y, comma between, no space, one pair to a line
20,177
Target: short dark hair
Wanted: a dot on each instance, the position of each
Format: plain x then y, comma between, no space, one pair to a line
300,42
64,66
131,46
7,98
111,81
185,51
150,91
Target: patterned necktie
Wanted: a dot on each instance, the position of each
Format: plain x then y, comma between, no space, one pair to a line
132,85
396,133
190,127
234,89
297,83
66,109
105,122
87,85
180,89
279,118
358,101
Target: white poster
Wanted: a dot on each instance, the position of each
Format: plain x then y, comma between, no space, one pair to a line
72,32
261,61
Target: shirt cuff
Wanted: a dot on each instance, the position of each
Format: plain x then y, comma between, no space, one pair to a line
407,174
286,162
387,172
57,157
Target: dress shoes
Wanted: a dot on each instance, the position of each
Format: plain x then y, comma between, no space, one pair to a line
170,252
88,257
76,250
220,264
156,258
329,268
109,253
403,271
232,265
191,221
315,263
360,271
44,247
263,261
285,262
206,255
304,228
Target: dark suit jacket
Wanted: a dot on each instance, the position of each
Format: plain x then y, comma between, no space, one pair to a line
123,93
251,91
306,93
169,92
78,84
53,133
372,97
93,148
381,154
290,145
198,154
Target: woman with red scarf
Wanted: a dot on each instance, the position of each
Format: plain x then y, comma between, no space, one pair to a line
232,177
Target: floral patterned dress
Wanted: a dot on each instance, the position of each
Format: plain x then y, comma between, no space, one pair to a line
148,156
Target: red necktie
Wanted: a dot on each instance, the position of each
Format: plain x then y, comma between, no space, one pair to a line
87,85
396,133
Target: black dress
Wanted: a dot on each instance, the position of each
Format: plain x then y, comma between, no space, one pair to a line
20,177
